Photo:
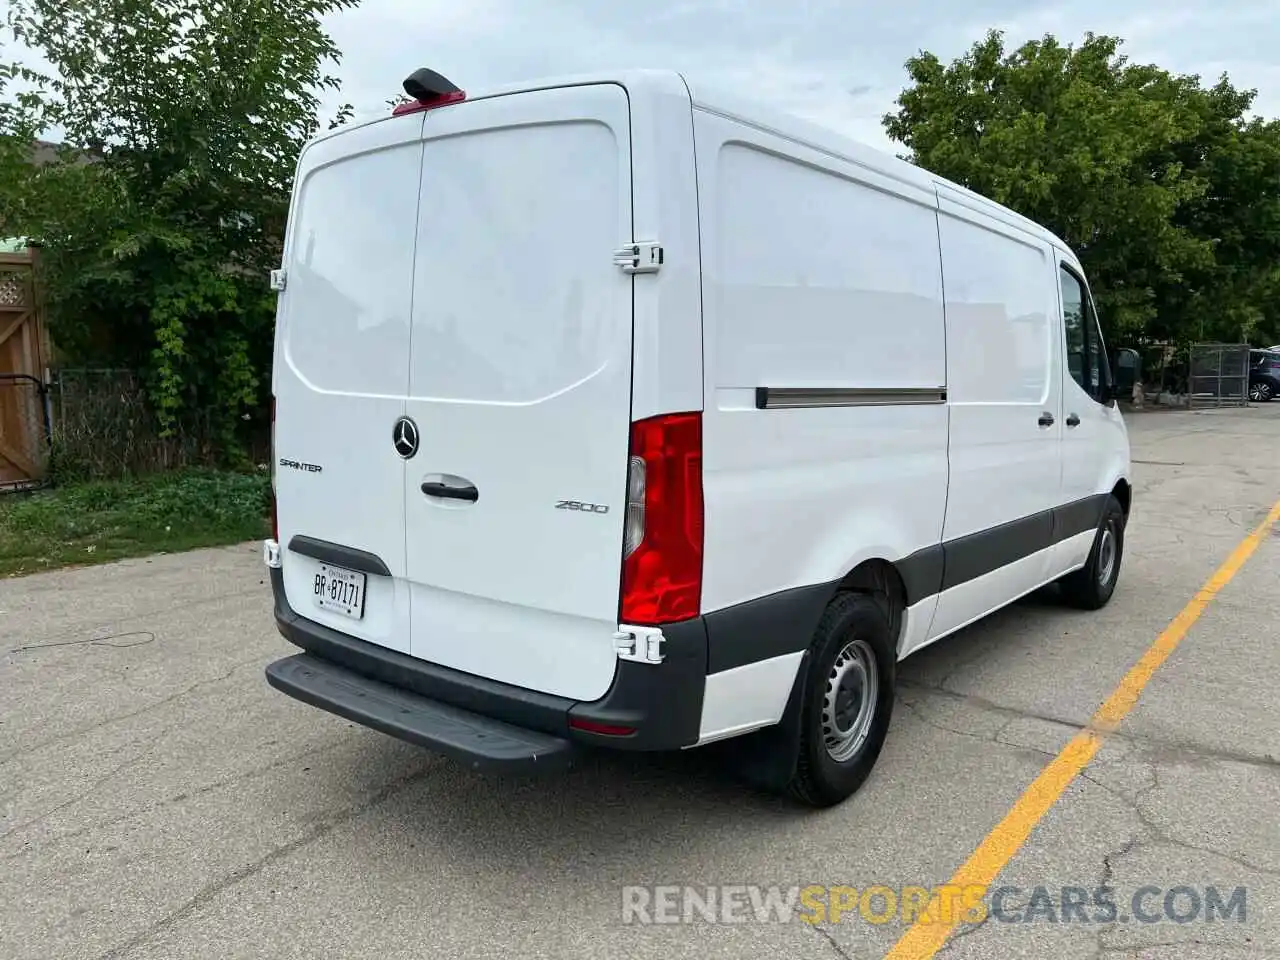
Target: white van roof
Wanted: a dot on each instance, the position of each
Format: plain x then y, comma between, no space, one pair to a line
762,116
836,144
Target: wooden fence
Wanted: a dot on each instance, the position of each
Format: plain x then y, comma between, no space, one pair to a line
24,359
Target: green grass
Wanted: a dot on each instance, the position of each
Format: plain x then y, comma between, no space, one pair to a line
107,520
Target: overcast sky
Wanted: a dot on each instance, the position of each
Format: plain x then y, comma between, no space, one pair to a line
836,61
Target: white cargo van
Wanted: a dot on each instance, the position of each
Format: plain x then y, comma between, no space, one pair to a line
613,412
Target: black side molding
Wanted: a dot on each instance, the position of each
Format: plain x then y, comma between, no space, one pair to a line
1078,516
766,627
921,573
774,398
339,556
975,555
784,622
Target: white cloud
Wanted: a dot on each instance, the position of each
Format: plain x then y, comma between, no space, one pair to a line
835,62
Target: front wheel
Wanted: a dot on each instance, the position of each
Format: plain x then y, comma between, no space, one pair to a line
848,700
1091,587
1260,391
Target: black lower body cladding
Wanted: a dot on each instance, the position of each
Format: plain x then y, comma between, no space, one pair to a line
661,702
648,706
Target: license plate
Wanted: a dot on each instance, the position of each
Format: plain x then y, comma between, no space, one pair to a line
339,590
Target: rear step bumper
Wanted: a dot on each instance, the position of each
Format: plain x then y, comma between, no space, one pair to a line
478,742
661,702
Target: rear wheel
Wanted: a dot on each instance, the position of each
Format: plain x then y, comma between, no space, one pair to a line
848,699
1092,585
1260,391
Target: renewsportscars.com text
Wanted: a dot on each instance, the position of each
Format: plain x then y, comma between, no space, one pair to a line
821,904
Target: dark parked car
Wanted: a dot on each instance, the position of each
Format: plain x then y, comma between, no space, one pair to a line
1264,375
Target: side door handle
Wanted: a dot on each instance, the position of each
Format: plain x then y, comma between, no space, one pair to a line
1073,421
1046,420
447,492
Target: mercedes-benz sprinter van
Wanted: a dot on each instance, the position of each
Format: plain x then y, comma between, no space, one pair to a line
610,411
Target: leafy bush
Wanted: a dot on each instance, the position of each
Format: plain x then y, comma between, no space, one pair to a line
161,218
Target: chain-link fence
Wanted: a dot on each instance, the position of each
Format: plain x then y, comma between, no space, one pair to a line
1219,375
103,427
24,432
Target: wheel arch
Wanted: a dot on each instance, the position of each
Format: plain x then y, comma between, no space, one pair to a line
880,577
1123,492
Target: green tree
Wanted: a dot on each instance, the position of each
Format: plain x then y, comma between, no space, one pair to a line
184,120
1165,190
17,132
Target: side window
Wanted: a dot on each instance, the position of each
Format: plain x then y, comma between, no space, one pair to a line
1073,318
1086,355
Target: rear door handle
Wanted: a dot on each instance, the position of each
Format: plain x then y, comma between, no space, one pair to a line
447,492
1073,421
1046,420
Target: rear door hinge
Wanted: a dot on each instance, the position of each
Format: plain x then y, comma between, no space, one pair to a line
641,644
642,257
279,279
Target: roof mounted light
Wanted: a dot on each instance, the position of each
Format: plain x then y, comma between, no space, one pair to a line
428,89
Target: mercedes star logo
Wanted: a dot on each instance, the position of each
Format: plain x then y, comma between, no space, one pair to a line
405,437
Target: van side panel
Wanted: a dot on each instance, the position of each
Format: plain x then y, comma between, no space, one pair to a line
818,274
1006,420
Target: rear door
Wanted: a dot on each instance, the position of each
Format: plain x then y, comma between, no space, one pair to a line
341,377
520,388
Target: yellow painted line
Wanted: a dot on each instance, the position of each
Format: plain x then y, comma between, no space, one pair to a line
927,935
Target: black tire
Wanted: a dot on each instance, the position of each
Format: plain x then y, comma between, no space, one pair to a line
862,619
1261,392
1088,588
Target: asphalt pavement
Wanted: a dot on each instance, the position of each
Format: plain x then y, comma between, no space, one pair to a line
159,800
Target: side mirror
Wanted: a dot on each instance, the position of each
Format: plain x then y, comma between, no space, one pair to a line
1126,370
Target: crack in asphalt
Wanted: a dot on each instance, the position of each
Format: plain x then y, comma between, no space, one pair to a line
86,792
1135,802
967,931
840,951
1164,837
318,830
6,758
151,807
1149,834
1265,761
1136,952
914,709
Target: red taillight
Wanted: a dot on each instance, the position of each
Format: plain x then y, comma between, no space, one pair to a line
662,566
414,106
607,729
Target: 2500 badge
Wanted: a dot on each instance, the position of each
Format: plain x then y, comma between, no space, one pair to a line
582,507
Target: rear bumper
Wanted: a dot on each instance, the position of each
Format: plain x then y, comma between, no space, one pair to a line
483,723
476,741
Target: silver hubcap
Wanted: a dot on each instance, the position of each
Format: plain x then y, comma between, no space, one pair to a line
1106,555
853,688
